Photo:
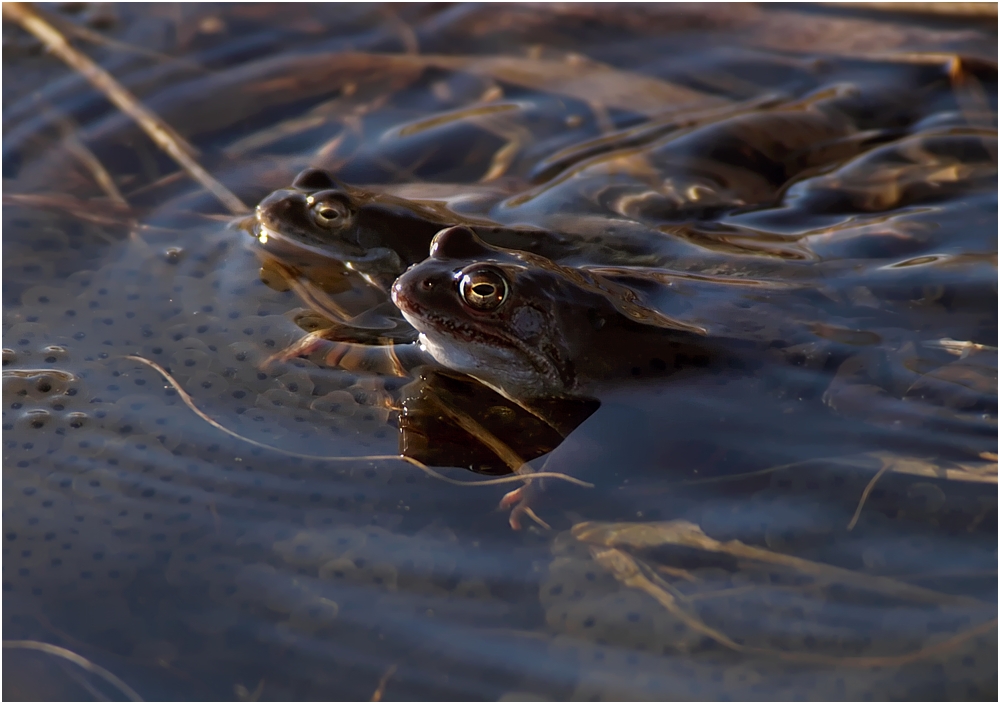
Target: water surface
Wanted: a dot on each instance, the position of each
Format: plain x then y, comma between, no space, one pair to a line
194,565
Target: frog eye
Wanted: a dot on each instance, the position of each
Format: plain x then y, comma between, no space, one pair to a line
483,289
330,213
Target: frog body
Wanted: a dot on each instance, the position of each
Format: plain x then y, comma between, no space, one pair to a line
379,235
531,328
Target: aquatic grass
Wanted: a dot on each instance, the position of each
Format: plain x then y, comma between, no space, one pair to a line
78,660
607,540
159,131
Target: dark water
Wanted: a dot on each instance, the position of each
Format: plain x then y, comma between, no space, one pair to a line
194,565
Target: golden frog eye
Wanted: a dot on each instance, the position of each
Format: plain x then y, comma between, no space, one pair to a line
483,289
330,213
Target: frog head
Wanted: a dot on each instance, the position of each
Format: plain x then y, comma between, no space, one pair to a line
374,234
516,321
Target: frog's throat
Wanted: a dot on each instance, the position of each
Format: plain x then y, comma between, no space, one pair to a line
519,402
428,326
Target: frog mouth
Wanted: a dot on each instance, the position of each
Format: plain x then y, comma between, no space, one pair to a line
433,326
426,321
269,235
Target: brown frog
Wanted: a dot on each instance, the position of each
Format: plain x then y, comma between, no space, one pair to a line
378,235
534,330
531,328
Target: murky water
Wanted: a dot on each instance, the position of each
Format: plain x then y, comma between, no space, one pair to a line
787,171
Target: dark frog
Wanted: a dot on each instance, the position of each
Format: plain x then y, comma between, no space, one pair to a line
537,331
531,328
378,235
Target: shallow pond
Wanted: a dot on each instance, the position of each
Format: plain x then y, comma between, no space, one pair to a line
814,520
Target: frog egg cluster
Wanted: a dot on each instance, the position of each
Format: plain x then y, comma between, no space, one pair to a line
584,601
625,643
213,329
109,478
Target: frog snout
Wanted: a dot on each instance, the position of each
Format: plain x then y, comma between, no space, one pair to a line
414,286
395,291
401,292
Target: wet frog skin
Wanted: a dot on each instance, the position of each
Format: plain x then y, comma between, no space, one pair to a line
741,161
531,328
534,330
379,235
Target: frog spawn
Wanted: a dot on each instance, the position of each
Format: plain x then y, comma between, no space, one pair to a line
626,646
304,556
114,487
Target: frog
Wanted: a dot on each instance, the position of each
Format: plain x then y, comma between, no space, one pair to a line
738,161
322,229
534,331
530,328
537,331
378,234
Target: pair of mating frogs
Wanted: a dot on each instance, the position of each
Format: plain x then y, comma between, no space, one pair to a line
539,315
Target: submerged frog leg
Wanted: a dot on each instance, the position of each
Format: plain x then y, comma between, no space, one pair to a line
303,348
312,296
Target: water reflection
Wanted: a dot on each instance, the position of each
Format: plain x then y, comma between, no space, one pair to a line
834,500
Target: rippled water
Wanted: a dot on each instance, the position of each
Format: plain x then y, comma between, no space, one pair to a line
192,564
